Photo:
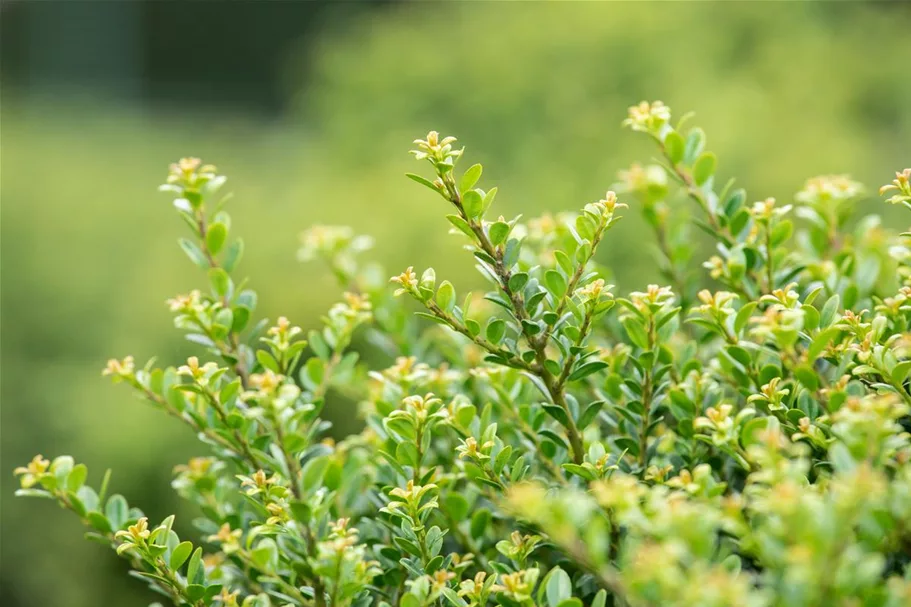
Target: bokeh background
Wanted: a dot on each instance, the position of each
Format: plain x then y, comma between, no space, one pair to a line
310,109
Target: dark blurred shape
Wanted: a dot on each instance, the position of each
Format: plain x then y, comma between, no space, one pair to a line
226,55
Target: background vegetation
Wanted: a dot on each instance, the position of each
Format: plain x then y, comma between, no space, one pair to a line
88,257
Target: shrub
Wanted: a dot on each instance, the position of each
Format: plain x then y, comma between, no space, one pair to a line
554,443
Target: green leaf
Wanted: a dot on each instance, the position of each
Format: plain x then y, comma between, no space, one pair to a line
628,444
810,318
479,522
472,204
900,371
220,281
734,202
105,481
313,372
76,478
841,457
216,236
749,434
422,181
233,255
265,555
496,329
456,505
740,355
827,315
180,554
820,342
587,369
446,296
589,415
674,146
318,344
470,178
808,377
580,471
453,598
193,251
409,600
585,227
117,511
99,521
556,283
743,316
704,168
636,332
738,222
557,412
517,281
164,529
851,294
241,318
465,414
864,370
402,427
559,587
564,261
61,467
781,232
267,361
502,459
554,438
407,546
212,590
223,321
196,573
34,493
407,454
531,328
312,473
195,592
499,232
695,142
461,225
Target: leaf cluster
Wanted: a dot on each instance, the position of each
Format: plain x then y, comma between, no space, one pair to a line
738,436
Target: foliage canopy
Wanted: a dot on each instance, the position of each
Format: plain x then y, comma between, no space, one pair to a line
551,443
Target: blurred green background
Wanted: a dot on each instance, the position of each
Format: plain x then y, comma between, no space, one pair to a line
310,109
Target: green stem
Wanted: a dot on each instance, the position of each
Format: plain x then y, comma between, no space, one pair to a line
293,464
223,417
555,471
574,280
647,400
458,327
207,432
537,345
419,438
233,347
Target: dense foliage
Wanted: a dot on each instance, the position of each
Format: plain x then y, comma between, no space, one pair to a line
76,291
552,443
